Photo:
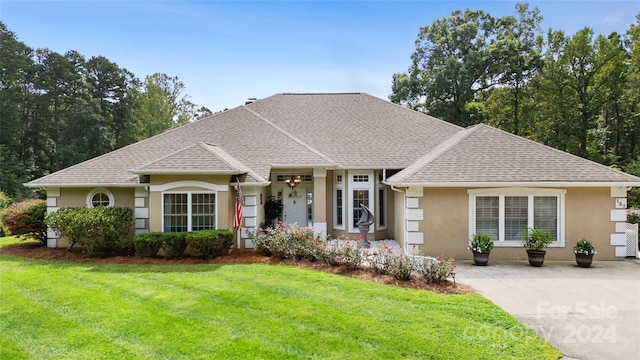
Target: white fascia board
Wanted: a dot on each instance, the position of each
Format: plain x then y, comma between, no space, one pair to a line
515,184
303,166
69,185
187,172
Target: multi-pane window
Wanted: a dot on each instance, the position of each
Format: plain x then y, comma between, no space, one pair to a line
382,206
506,216
339,197
516,217
545,214
339,208
203,211
359,197
189,211
360,178
100,199
487,215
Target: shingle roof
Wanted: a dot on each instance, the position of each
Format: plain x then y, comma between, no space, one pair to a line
199,157
356,130
340,131
483,154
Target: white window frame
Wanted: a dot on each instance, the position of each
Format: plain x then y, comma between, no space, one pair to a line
353,186
501,193
381,174
338,184
92,193
189,203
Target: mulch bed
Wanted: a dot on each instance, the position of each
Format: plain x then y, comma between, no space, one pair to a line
36,250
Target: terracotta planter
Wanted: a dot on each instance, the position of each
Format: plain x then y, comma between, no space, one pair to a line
583,260
480,259
536,257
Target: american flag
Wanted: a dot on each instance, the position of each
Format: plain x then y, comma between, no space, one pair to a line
237,218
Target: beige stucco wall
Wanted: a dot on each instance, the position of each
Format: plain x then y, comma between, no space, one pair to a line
398,221
77,197
446,224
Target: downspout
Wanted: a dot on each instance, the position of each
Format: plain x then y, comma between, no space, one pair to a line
404,213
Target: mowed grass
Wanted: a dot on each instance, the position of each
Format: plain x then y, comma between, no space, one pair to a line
68,310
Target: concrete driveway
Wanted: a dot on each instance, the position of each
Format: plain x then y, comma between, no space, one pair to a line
587,314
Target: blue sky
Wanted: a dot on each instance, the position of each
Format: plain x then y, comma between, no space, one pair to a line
228,51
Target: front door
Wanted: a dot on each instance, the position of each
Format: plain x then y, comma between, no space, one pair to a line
294,206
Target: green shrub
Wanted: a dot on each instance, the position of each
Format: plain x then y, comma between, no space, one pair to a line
174,244
101,231
5,201
148,244
209,243
27,218
536,239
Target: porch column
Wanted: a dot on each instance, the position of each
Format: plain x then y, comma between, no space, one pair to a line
320,200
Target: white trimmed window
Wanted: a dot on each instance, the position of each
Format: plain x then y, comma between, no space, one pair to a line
188,211
338,200
505,214
100,197
361,191
382,201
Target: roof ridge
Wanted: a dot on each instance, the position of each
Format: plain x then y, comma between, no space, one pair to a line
221,154
230,159
438,151
291,136
554,149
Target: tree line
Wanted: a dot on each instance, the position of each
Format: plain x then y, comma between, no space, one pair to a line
578,93
57,110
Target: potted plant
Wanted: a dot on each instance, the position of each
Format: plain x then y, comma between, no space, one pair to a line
584,251
535,240
481,246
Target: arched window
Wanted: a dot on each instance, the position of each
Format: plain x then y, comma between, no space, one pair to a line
100,197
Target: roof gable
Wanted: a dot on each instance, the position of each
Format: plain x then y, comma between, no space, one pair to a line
195,158
483,154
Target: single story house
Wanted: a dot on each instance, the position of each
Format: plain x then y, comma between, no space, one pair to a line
429,183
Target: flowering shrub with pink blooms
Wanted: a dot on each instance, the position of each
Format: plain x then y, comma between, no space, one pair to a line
292,242
401,266
344,253
435,271
304,243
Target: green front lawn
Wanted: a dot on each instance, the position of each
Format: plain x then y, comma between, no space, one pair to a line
68,310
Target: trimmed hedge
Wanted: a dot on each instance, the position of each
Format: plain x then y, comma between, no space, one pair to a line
27,218
202,243
101,231
209,243
174,245
148,244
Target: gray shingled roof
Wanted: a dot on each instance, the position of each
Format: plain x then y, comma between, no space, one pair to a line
200,157
356,130
483,154
340,131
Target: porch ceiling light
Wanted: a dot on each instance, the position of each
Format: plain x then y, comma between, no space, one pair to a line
293,181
